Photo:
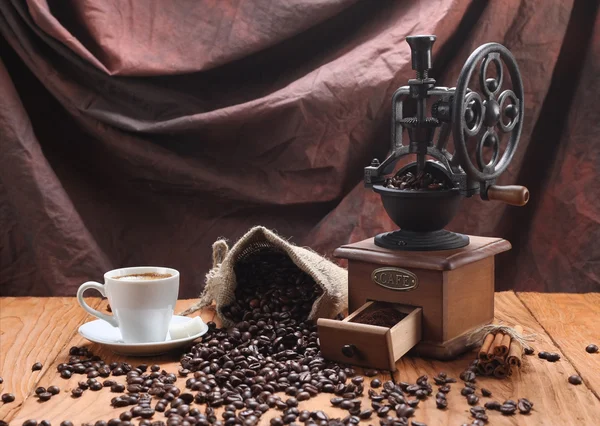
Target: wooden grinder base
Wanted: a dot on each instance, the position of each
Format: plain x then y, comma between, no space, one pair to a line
453,288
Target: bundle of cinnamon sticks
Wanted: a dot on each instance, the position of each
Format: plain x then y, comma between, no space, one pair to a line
499,353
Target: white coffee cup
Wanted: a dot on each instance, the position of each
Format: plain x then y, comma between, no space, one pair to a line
141,299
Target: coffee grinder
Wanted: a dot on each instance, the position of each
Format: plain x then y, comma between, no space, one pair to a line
442,282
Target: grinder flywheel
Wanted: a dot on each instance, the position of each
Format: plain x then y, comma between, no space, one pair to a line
485,122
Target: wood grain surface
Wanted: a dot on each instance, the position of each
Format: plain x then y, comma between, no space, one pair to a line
31,330
43,330
572,322
542,382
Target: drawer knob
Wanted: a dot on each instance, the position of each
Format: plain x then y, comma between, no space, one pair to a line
349,351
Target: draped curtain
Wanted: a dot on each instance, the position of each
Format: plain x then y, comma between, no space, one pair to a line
138,132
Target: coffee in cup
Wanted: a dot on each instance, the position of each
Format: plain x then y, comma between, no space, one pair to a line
142,300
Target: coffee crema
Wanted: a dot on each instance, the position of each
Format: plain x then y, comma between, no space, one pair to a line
145,276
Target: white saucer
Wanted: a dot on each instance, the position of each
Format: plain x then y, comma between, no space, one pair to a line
103,333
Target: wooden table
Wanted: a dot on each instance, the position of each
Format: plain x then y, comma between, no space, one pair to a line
43,329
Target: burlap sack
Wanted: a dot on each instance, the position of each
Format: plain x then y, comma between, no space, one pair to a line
221,279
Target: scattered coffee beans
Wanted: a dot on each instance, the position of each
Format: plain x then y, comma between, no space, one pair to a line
36,367
590,349
575,380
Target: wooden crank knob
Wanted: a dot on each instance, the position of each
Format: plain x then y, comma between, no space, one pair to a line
515,195
349,351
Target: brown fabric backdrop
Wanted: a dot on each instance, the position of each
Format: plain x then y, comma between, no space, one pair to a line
137,132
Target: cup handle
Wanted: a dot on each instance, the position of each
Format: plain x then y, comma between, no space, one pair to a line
100,288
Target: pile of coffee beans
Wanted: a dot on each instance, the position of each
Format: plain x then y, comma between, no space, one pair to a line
268,281
507,408
408,181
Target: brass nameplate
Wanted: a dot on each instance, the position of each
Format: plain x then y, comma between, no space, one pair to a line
395,279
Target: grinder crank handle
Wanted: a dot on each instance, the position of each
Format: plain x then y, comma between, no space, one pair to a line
515,195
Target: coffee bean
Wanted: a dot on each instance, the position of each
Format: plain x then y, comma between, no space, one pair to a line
289,418
445,389
472,399
383,411
44,396
468,376
101,423
66,374
40,390
7,397
30,423
37,366
1,380
117,387
375,383
66,423
358,380
303,396
441,403
96,386
590,349
125,416
276,421
44,423
524,406
54,390
77,392
467,391
507,409
529,351
414,423
575,380
552,357
492,405
486,392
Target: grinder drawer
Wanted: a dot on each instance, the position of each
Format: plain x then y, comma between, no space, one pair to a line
358,343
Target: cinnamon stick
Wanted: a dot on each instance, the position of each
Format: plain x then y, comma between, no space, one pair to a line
490,367
515,352
485,347
502,348
502,371
497,341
